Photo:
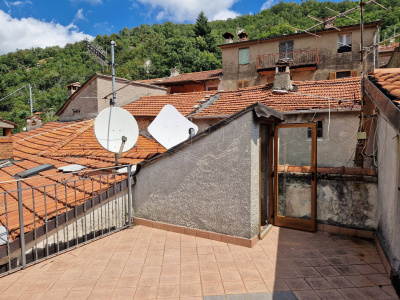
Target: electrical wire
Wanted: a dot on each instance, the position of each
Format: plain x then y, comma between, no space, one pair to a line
12,93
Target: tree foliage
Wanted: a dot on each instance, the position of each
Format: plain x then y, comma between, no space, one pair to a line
189,47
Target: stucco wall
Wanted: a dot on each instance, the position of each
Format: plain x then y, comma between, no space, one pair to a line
388,161
329,59
211,185
83,106
89,102
335,149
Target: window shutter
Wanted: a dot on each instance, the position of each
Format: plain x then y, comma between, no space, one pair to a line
332,75
282,47
354,73
289,46
245,83
240,84
244,56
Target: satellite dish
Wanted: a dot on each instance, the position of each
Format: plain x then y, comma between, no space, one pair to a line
116,129
171,128
3,235
147,66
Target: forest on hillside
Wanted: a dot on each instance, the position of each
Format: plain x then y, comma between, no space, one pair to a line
189,47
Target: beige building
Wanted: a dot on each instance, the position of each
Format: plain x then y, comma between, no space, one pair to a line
96,93
334,54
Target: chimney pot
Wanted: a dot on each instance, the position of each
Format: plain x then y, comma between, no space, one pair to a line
243,36
282,81
228,37
6,140
72,88
33,122
174,72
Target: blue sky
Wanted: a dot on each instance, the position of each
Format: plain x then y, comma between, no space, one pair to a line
39,23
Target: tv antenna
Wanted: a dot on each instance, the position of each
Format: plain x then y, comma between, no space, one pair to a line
97,52
147,67
116,130
336,12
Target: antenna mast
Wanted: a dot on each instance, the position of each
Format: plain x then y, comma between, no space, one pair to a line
30,98
114,98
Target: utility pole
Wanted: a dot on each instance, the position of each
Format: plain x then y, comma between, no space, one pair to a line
30,98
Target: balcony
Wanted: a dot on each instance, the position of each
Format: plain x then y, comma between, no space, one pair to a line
305,58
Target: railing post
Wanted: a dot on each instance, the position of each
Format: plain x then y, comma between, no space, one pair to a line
21,225
130,194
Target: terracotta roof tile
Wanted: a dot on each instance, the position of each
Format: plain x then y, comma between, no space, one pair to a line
59,144
150,106
190,77
388,80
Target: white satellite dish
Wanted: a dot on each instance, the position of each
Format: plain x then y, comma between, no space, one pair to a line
171,128
116,129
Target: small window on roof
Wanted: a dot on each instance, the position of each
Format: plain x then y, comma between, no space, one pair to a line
343,74
319,131
242,84
244,56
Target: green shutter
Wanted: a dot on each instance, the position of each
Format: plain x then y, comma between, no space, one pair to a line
244,56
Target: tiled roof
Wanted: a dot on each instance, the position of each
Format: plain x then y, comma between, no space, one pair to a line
388,80
388,47
190,77
59,144
309,96
185,103
151,81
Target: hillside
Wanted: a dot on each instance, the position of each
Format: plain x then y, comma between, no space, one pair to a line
168,45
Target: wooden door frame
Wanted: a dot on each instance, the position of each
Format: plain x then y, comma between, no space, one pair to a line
308,225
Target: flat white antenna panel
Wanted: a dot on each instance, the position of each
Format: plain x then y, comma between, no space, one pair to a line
170,127
116,129
71,168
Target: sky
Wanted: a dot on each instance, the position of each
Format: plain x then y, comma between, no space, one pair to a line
39,23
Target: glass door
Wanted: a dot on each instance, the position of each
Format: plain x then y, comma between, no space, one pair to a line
295,174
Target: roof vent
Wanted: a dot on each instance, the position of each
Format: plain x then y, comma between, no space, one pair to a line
33,171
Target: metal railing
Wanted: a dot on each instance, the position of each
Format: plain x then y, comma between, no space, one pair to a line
304,57
44,220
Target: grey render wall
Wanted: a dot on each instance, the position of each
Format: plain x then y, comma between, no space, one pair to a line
212,184
84,106
90,101
337,149
388,161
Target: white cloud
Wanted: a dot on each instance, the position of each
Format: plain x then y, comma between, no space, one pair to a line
92,2
267,4
19,3
79,15
187,10
29,32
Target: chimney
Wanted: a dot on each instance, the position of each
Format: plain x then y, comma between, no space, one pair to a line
174,72
243,36
6,141
33,122
228,37
328,24
72,88
282,81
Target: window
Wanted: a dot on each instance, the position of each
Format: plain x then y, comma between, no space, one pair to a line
212,88
242,84
343,74
244,56
286,49
319,131
344,43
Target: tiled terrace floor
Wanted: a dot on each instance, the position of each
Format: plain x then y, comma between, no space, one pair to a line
147,263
